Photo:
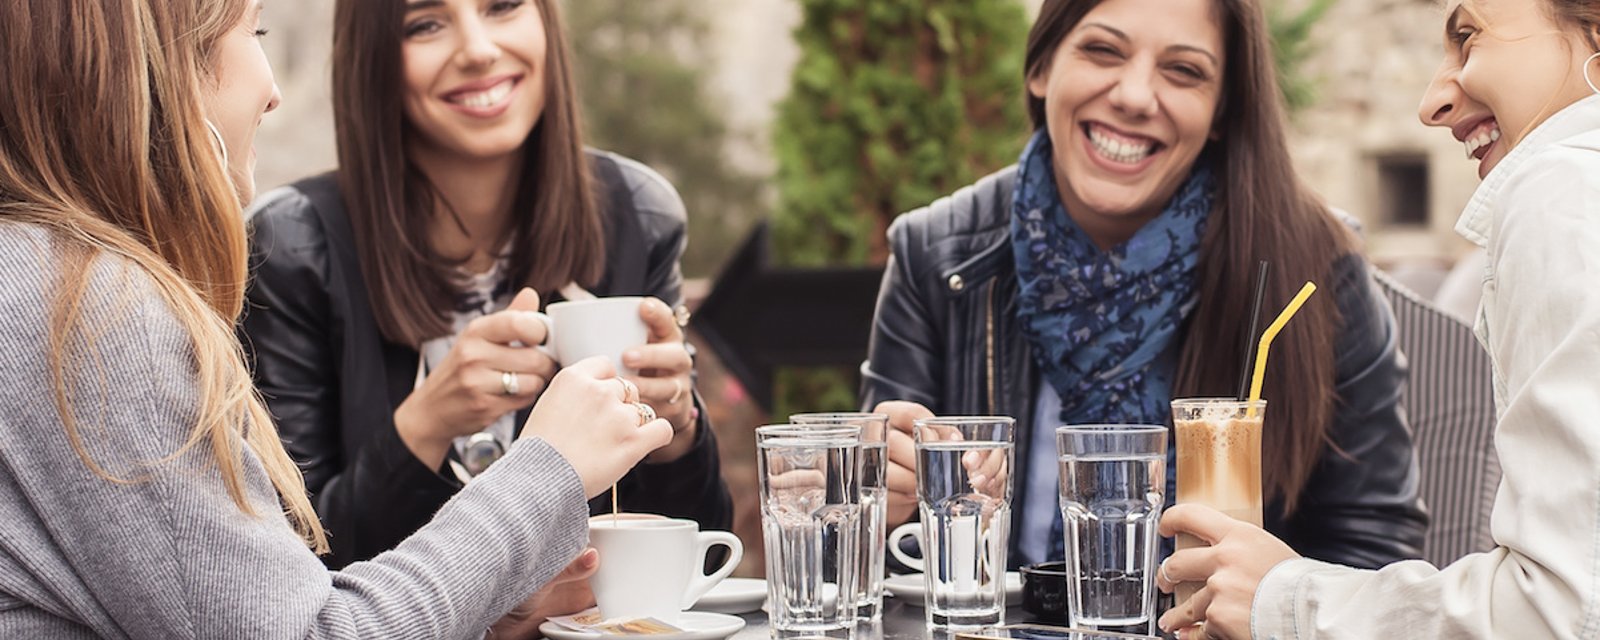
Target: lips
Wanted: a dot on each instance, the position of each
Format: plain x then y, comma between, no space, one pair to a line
1118,149
1480,137
483,95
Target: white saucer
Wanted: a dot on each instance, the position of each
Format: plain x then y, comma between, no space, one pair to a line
734,595
910,589
696,625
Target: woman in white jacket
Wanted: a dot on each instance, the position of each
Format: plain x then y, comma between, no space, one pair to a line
1518,88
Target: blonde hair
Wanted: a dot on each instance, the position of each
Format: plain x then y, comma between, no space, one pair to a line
104,142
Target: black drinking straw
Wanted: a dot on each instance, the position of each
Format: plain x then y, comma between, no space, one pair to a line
1250,338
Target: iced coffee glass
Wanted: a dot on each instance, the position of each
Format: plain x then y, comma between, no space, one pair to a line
1219,462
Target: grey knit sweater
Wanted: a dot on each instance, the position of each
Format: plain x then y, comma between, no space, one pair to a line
171,555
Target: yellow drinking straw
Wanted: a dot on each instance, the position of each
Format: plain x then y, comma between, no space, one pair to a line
1266,344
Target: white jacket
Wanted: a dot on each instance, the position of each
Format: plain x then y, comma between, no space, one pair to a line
1538,214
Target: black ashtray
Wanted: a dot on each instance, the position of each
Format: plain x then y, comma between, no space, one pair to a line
1044,591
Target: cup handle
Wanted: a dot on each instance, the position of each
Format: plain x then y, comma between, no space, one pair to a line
548,347
913,529
700,583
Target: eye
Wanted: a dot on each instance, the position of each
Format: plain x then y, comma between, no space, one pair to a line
422,27
1189,71
1101,51
1463,36
505,6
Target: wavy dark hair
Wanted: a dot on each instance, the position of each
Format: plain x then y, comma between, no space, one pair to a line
1263,212
557,235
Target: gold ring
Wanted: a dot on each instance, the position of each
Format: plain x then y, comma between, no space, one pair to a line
677,391
629,391
509,383
646,413
680,314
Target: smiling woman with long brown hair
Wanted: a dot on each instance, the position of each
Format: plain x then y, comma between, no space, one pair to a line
144,489
1111,271
464,197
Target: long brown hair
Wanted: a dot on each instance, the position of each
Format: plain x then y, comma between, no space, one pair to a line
390,202
104,143
1262,212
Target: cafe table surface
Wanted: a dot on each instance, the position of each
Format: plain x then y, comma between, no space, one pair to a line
902,621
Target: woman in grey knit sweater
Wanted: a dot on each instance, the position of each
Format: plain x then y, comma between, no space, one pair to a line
143,489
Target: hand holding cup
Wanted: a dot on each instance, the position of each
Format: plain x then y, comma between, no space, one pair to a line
664,367
491,370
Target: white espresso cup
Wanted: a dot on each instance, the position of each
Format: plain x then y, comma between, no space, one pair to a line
579,329
960,543
652,568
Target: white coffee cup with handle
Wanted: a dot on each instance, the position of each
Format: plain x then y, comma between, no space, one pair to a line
652,568
578,329
961,544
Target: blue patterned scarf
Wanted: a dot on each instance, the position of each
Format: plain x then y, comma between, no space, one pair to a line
1100,322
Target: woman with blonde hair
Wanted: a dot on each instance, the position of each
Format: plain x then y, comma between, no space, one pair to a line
145,492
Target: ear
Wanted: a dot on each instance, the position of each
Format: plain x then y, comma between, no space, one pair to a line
1039,82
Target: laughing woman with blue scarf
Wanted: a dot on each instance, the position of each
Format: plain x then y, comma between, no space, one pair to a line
1111,270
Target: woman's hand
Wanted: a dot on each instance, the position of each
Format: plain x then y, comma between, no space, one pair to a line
593,419
469,388
664,382
901,475
563,595
1231,568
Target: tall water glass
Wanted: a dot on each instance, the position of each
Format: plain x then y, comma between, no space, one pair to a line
874,501
964,467
1112,481
811,524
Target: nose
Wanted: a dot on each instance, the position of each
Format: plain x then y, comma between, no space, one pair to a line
477,48
275,99
1134,93
1443,96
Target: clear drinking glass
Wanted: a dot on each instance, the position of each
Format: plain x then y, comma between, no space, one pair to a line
964,467
874,501
1112,481
1219,462
810,522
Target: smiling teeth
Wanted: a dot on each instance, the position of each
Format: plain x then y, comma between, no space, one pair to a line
486,98
1482,140
1119,150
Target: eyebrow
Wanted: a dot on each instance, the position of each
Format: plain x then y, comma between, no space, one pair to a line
1177,47
415,5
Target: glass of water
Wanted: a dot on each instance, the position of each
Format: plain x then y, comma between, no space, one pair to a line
811,524
964,467
1113,478
874,460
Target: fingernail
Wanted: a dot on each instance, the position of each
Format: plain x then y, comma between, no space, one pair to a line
630,358
589,558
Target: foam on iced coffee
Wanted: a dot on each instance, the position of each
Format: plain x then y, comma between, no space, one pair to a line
1219,464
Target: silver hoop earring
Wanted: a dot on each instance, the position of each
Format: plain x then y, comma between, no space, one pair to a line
222,147
1586,72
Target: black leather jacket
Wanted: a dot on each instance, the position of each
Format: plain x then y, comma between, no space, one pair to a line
946,336
333,383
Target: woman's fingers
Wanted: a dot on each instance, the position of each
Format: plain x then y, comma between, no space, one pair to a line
1186,614
664,358
663,324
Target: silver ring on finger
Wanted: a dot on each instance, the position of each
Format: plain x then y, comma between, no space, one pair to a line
1164,575
629,391
646,413
677,391
509,383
